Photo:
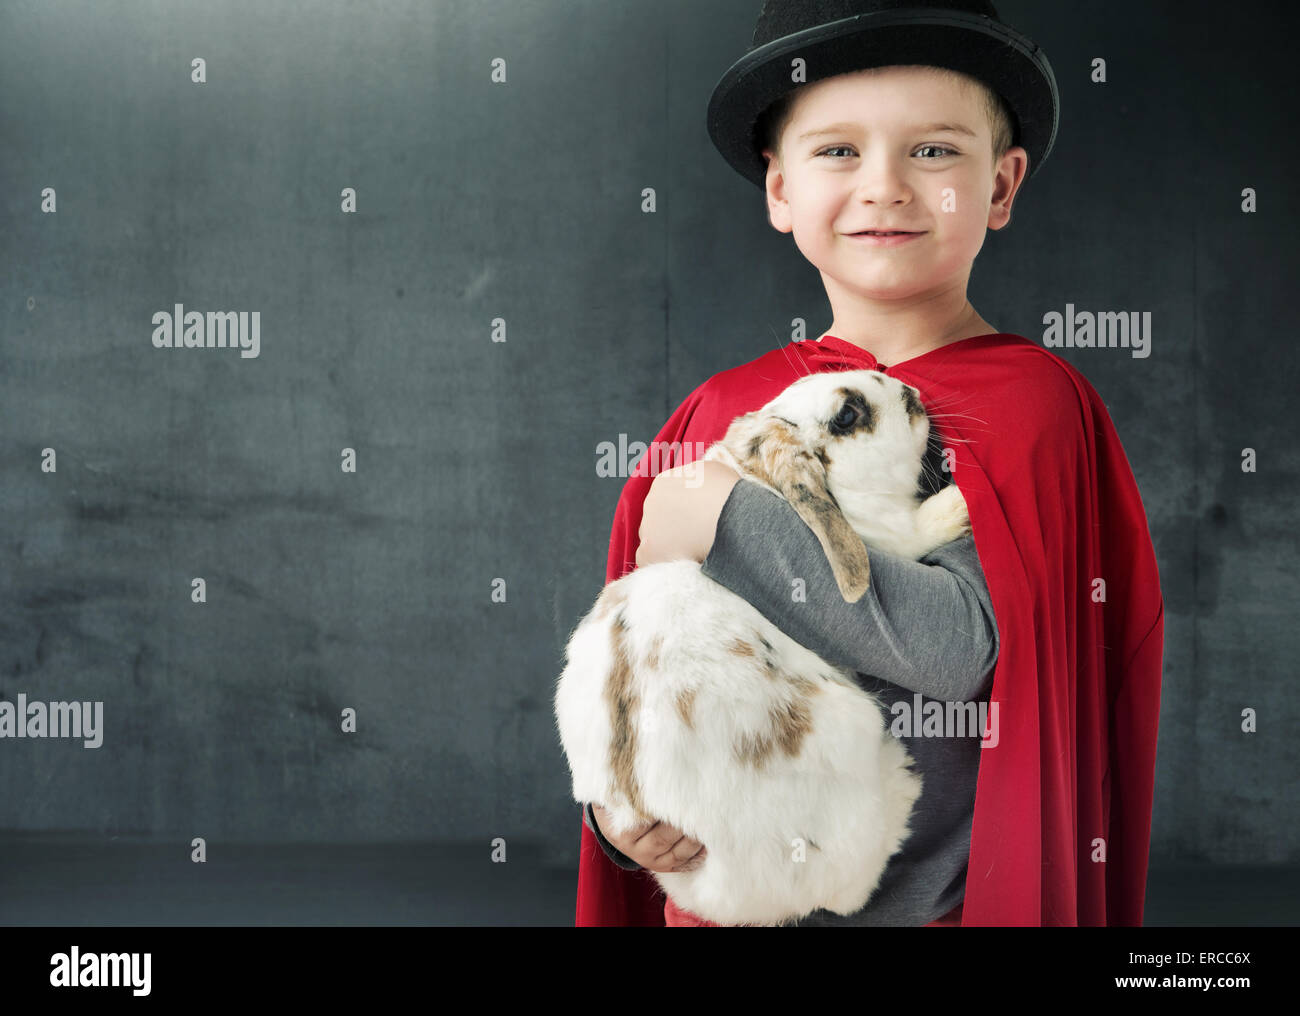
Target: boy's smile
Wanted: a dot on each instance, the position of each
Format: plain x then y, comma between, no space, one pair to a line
883,239
903,150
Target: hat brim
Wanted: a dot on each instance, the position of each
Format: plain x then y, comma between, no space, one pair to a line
1009,62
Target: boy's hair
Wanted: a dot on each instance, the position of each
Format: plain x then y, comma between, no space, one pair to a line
774,120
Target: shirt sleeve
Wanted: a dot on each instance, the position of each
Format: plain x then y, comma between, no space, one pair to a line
614,854
927,626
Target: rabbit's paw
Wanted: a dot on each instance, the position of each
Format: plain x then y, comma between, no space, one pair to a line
943,517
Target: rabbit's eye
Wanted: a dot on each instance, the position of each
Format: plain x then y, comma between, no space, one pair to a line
844,418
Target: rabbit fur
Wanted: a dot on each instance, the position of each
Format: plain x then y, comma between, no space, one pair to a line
680,702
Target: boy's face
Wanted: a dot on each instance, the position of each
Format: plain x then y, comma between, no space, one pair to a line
879,164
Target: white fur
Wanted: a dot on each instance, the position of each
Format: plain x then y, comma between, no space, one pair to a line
798,832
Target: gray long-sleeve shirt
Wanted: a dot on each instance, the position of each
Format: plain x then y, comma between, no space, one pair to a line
922,627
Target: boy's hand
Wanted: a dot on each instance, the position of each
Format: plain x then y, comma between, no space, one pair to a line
654,845
680,516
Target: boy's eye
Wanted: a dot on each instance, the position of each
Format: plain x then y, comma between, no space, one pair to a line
935,148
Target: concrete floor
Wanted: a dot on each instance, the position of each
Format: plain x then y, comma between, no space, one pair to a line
75,881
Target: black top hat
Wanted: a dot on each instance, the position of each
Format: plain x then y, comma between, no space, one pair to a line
838,36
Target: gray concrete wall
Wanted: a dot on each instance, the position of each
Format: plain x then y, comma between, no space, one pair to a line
521,201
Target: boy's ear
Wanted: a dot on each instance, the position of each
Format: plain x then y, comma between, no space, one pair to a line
1007,178
778,208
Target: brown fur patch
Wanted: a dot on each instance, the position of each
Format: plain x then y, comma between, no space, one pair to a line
788,724
914,408
685,702
623,705
656,647
740,647
867,413
803,685
611,597
781,442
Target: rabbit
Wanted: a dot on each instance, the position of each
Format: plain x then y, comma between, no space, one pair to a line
680,702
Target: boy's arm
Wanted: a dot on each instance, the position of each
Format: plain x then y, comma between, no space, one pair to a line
927,626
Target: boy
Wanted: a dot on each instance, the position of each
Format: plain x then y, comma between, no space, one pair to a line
1051,610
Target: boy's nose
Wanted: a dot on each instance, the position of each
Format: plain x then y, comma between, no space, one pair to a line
879,179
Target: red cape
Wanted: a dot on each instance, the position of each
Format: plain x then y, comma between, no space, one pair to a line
1055,512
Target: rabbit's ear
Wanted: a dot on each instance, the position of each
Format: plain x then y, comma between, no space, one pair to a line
770,449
